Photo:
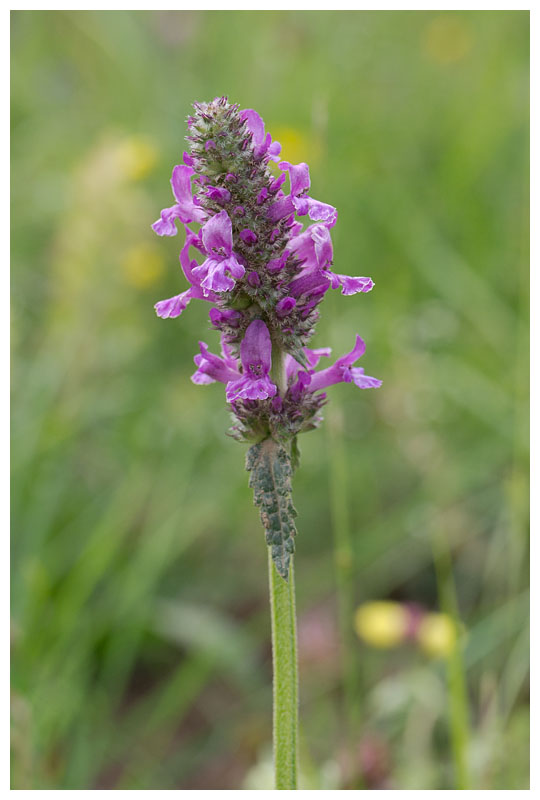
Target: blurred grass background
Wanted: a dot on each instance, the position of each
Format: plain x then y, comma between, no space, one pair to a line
139,599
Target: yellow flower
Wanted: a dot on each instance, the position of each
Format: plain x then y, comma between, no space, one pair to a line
297,146
137,157
437,635
447,38
142,265
382,623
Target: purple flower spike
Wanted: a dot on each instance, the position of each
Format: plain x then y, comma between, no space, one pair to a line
343,371
256,357
264,272
185,209
217,241
211,368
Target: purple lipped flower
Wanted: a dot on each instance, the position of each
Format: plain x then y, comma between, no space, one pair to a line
185,208
262,144
256,358
293,368
314,248
217,240
212,368
210,145
174,306
343,371
302,202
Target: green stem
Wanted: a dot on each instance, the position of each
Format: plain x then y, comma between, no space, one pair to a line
457,685
284,658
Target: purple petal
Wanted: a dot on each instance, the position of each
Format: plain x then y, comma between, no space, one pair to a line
314,356
301,205
254,124
217,235
358,350
281,208
314,246
322,212
274,150
173,307
212,274
248,388
364,381
341,371
298,175
256,350
308,282
212,368
348,284
181,186
165,226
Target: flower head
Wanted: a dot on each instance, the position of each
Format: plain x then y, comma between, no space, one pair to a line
263,272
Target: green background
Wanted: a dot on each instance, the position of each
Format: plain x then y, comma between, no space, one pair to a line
139,598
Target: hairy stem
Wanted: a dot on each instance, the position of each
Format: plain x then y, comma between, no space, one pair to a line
284,658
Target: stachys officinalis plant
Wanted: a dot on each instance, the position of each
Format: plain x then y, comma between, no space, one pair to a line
264,275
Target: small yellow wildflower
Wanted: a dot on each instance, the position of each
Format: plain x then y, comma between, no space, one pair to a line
142,265
437,635
382,623
137,157
447,38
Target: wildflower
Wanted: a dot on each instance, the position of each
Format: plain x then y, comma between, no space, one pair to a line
217,241
437,635
381,624
185,208
343,371
264,276
256,357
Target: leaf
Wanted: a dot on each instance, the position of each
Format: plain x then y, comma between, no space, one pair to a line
270,468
